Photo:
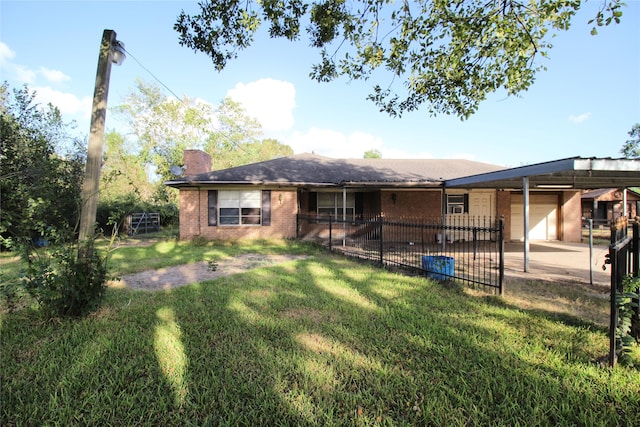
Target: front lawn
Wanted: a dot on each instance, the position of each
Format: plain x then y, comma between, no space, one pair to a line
319,341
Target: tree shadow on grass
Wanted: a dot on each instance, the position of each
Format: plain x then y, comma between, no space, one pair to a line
312,342
328,343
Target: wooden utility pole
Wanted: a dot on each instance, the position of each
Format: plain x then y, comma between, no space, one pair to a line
91,181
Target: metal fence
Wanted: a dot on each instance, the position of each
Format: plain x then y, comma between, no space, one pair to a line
624,257
454,247
142,223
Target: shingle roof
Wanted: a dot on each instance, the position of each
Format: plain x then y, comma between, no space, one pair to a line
314,170
594,194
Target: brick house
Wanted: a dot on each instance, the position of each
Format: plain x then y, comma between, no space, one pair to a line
605,204
263,200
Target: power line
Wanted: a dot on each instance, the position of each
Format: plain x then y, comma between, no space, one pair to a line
152,75
234,143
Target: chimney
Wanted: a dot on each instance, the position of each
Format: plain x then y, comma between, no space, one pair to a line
196,162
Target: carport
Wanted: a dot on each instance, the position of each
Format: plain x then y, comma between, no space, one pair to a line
575,173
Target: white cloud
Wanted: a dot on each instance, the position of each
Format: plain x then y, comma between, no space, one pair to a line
334,144
71,107
268,100
6,53
69,104
23,74
54,76
579,118
11,71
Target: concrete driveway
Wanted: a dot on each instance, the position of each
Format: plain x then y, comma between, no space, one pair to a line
557,261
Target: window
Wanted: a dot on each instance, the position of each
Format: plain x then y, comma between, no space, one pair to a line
239,207
457,203
331,204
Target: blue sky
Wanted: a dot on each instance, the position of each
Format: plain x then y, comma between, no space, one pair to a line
583,105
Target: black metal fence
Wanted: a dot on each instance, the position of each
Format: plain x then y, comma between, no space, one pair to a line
624,257
454,247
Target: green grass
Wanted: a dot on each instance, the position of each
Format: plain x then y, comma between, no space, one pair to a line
319,341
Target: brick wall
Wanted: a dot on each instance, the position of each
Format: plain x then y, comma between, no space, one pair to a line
571,216
414,203
194,218
196,161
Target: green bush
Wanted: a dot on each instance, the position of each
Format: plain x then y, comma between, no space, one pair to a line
625,303
63,283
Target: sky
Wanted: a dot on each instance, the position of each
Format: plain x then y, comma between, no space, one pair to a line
584,104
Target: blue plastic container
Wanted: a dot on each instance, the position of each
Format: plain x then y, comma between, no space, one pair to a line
40,242
438,267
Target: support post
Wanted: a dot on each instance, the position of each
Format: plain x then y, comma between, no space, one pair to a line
525,192
91,181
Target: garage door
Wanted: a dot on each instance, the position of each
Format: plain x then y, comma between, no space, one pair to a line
543,217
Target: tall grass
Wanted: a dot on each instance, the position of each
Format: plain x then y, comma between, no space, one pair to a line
319,341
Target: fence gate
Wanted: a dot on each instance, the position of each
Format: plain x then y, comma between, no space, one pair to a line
624,255
142,223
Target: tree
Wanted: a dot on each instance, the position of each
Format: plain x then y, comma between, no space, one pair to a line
631,148
448,54
372,154
123,173
164,127
41,168
236,139
235,130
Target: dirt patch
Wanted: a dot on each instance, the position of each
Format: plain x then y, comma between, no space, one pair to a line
172,277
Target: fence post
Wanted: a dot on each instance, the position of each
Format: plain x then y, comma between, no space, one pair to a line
501,246
380,229
613,317
330,231
635,271
591,251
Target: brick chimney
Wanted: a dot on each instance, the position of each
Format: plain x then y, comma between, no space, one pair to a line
196,162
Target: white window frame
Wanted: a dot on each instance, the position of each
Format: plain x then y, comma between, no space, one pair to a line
331,204
244,206
455,204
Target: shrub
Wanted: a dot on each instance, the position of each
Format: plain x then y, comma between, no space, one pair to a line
624,331
63,283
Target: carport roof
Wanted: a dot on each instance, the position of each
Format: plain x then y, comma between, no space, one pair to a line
571,173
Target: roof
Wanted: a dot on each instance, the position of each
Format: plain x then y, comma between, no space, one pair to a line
570,173
595,194
318,171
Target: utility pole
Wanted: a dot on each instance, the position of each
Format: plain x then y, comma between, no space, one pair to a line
110,51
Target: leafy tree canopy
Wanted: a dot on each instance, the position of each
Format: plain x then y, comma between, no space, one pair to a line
163,127
372,154
631,148
41,168
448,54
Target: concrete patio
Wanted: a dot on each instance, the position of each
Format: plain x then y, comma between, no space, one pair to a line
557,261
